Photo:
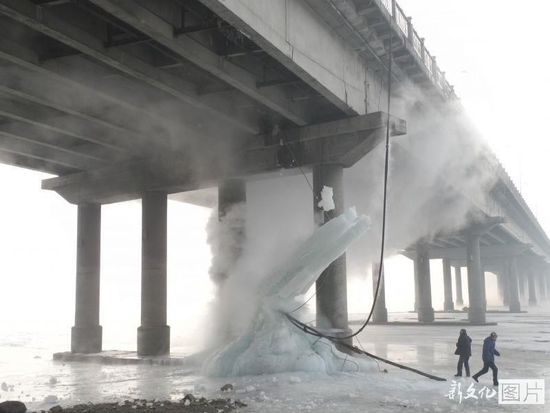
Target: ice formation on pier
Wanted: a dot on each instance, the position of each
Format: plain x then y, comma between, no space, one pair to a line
271,344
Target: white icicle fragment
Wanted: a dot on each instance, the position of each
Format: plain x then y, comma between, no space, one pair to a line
327,201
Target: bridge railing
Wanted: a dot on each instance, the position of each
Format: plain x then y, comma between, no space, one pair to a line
411,36
417,42
401,20
387,4
428,61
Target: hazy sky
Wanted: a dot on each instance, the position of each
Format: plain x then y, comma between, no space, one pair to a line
494,52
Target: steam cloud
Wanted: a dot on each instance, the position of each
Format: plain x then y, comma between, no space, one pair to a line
435,177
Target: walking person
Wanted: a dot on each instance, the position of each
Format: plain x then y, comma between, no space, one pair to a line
489,353
464,351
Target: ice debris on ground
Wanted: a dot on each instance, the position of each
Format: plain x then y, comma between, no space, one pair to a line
271,344
50,399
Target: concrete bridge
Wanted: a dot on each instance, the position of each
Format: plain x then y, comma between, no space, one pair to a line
127,99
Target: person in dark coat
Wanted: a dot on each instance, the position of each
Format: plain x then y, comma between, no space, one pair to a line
464,351
489,353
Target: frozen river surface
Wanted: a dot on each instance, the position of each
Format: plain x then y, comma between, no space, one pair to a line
28,373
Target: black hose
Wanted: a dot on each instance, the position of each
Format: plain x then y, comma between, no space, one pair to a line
384,210
312,331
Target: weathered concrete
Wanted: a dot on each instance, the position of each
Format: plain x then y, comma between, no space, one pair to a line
542,286
86,335
458,286
415,270
422,262
380,314
331,297
483,290
342,142
531,280
521,283
500,287
286,29
148,20
476,309
512,285
448,304
153,334
504,288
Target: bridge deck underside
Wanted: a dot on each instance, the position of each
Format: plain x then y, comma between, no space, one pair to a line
83,88
92,86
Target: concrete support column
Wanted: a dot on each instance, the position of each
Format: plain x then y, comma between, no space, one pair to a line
448,304
416,299
500,287
331,297
422,262
512,286
483,290
532,287
86,335
380,311
521,283
153,336
504,281
542,286
476,309
458,285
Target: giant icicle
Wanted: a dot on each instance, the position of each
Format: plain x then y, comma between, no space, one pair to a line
271,344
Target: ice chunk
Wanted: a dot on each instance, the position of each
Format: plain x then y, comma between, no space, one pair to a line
271,344
327,201
298,274
51,399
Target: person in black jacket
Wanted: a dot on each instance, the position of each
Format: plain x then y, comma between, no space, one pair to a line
464,351
488,356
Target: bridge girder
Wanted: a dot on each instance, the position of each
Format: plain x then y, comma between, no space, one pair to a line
45,21
341,142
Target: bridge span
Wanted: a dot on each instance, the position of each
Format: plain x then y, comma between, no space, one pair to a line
135,99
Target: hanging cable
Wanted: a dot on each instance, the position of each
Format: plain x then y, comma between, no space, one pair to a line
384,213
295,161
338,339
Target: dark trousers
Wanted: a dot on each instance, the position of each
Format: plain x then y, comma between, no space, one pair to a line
463,360
486,366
